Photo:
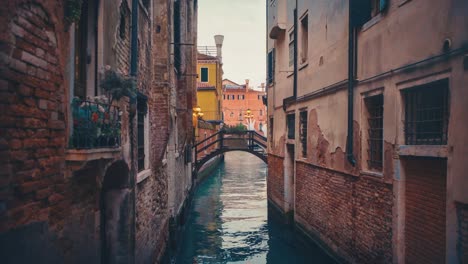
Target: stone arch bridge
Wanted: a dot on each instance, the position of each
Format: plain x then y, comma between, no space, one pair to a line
224,141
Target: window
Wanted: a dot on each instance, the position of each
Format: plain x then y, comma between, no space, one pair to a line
427,114
141,120
241,117
363,11
378,6
304,38
123,21
291,125
232,97
224,97
204,74
259,97
177,38
374,108
260,126
261,112
146,4
303,132
81,41
231,115
291,48
271,66
271,129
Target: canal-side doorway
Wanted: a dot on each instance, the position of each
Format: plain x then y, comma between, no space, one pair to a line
115,219
426,191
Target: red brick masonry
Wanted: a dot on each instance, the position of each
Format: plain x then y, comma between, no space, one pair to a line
275,181
352,215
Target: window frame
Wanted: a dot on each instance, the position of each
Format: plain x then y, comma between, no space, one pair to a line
304,26
419,95
142,123
374,122
291,48
303,123
207,74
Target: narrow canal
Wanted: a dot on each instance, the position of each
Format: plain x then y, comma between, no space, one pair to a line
229,221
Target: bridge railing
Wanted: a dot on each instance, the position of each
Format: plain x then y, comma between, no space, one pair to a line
239,140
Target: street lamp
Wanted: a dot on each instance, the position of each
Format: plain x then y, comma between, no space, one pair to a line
249,116
197,112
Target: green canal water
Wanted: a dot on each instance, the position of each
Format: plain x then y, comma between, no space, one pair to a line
229,222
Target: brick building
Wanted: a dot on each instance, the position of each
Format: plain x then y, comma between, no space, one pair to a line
84,178
238,99
367,134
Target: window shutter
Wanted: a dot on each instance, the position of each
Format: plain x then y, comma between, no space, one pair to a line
383,5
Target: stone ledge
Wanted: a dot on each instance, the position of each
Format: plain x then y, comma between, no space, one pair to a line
438,151
92,154
142,175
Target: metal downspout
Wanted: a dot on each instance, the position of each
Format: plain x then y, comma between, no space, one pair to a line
134,74
351,82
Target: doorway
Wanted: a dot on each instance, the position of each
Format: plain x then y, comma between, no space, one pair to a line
426,191
115,215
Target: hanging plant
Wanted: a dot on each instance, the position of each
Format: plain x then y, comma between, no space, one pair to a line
73,10
117,86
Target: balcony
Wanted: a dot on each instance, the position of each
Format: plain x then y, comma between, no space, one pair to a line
95,125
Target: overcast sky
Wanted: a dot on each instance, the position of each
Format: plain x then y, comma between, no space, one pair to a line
243,23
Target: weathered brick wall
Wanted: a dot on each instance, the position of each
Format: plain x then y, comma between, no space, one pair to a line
205,130
352,215
32,122
275,180
36,200
152,218
425,210
462,246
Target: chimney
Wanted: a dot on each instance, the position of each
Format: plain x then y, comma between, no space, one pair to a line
219,45
247,85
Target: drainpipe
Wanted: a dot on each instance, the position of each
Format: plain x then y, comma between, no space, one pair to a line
295,53
133,73
351,81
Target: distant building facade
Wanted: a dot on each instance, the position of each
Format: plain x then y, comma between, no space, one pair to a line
209,80
84,178
367,126
237,100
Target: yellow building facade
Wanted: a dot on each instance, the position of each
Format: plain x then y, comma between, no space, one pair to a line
209,87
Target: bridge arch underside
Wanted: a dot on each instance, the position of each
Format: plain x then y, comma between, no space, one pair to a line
222,151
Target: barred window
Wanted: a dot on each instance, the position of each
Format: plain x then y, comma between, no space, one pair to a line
427,114
141,113
270,129
303,132
291,122
374,106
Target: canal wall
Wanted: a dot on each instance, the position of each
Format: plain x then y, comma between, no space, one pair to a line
352,215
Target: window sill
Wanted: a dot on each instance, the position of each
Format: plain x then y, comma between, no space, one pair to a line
439,151
92,154
403,2
371,22
303,65
142,175
372,173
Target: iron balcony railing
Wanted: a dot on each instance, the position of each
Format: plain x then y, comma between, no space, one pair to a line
95,125
207,50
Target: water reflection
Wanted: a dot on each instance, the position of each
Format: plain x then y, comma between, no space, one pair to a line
229,222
